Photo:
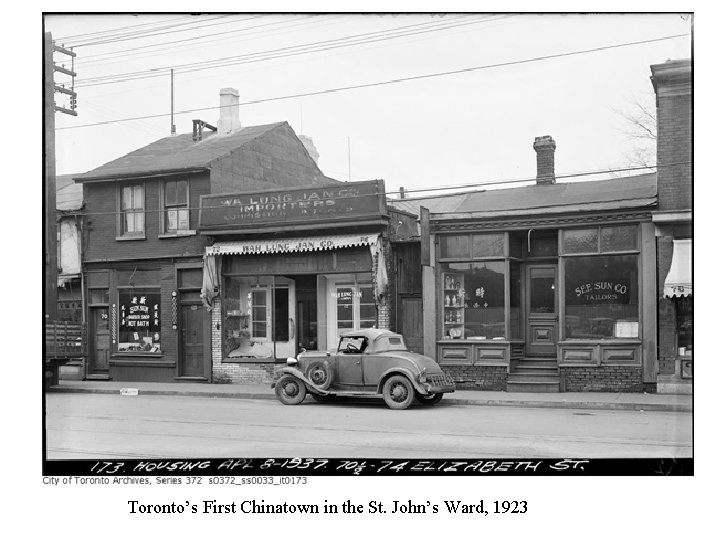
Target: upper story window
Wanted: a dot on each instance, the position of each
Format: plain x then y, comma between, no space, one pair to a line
176,213
132,210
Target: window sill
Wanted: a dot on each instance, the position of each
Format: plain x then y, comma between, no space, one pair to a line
127,238
178,234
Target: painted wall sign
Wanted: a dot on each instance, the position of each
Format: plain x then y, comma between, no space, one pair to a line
140,312
249,210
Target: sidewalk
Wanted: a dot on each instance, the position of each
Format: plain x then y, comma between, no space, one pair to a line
564,400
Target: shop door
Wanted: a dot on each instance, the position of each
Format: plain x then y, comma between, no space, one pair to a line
411,322
284,320
192,345
541,286
99,350
351,306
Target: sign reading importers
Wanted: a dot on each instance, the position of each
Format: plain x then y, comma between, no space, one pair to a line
344,201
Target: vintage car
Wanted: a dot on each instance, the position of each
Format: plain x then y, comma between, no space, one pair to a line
367,362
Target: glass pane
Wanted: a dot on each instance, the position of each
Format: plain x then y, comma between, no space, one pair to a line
580,241
475,307
98,296
138,198
684,314
139,320
542,290
488,245
127,198
171,193
543,244
139,222
129,222
245,317
182,192
172,216
623,238
601,297
183,220
516,291
455,246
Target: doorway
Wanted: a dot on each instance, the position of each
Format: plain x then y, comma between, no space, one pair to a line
192,340
99,350
541,302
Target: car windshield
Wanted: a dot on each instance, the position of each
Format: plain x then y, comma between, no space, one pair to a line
352,345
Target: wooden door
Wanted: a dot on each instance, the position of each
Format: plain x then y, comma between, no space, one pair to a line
541,287
191,343
99,350
410,322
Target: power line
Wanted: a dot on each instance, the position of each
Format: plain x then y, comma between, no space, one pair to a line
79,37
395,81
283,52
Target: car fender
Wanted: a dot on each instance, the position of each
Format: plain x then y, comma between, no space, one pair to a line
401,371
299,375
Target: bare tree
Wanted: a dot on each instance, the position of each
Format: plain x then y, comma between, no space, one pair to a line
639,125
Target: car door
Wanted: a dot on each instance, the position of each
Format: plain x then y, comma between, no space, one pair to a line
350,362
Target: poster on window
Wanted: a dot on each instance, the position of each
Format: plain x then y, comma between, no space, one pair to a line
139,321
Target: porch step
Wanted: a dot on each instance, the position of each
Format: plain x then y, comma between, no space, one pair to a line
546,387
534,374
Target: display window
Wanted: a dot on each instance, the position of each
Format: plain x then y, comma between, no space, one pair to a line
684,315
601,297
139,321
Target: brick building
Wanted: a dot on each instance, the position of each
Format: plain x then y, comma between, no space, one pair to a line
549,287
143,256
673,224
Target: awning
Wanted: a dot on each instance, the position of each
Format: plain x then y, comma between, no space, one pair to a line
291,245
679,279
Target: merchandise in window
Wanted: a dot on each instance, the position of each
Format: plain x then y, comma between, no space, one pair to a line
132,209
473,300
248,317
139,320
601,297
684,317
177,217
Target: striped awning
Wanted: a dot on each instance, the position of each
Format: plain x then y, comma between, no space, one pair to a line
291,245
679,279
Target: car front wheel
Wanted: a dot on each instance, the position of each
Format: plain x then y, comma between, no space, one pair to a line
398,392
432,399
290,390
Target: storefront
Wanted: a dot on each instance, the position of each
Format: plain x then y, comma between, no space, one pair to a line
548,288
291,270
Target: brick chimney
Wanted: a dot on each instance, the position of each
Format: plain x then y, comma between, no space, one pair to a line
545,148
229,111
310,147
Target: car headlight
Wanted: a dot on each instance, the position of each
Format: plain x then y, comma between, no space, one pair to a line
291,361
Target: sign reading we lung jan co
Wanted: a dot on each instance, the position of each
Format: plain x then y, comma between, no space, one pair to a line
292,206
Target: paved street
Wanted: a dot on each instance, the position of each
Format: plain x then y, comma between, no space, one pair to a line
88,426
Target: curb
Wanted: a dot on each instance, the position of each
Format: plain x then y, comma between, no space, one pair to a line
530,404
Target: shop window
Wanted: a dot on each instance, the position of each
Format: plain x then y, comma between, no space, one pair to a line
455,247
516,290
580,240
473,300
601,239
476,246
176,210
132,210
621,238
488,245
601,297
684,315
139,321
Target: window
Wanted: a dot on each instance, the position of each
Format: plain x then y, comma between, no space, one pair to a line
132,210
474,300
601,297
176,211
601,239
684,315
139,320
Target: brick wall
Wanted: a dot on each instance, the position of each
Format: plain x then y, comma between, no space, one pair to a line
674,152
667,321
478,377
604,379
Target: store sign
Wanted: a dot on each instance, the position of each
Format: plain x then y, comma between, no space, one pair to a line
293,206
140,312
601,291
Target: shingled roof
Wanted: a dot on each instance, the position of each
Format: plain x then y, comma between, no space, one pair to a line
177,153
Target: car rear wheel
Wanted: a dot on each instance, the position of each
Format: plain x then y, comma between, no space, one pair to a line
290,390
431,399
398,392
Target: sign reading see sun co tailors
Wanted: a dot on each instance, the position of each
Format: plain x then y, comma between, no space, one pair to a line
343,201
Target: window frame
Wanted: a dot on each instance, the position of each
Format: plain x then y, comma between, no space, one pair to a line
121,233
164,232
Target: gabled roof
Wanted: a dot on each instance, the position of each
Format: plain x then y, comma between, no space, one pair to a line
177,153
69,195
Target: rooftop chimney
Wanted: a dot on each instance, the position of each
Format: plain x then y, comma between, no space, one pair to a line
310,147
229,111
545,148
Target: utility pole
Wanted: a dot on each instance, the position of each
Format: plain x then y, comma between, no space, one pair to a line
49,195
172,102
